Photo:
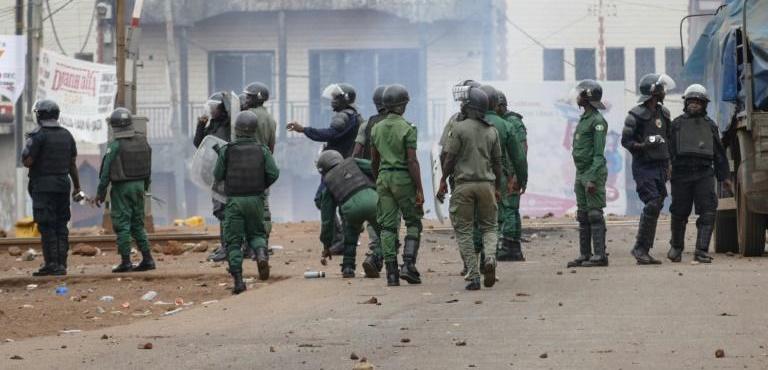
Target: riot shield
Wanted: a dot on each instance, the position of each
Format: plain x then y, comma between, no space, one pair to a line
202,164
232,105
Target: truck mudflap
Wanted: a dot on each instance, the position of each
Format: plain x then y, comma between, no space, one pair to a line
754,183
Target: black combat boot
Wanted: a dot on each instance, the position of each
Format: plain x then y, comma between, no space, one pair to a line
238,283
504,250
218,255
372,266
393,274
49,262
262,261
705,225
248,253
125,264
474,284
489,274
517,251
408,271
597,230
481,259
677,242
585,240
62,250
646,233
347,271
147,262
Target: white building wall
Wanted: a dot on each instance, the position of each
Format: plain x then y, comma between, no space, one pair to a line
568,24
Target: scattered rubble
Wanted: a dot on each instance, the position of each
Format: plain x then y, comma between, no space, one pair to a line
719,353
85,250
201,247
147,345
173,248
14,251
372,300
30,255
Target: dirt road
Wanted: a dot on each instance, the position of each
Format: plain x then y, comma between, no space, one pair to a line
540,315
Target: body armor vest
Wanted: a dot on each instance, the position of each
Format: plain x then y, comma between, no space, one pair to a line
650,126
346,142
368,129
345,180
245,169
56,153
694,138
133,161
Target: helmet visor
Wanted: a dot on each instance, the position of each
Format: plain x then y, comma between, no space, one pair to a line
332,91
461,93
666,82
212,105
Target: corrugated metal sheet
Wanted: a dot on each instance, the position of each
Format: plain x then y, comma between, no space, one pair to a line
190,11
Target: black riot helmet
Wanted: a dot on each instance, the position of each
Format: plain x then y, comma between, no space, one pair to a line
591,91
121,121
246,123
341,95
654,84
328,160
493,96
256,93
471,83
46,110
216,105
474,101
378,93
242,100
395,98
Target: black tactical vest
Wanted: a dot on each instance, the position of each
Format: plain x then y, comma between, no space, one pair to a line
345,180
133,161
648,126
368,129
694,137
345,143
56,153
245,169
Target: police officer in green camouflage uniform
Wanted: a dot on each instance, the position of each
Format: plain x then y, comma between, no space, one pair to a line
247,169
349,186
256,94
398,183
510,248
591,173
127,166
474,159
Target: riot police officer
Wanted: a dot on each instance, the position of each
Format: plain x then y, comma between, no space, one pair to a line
398,183
474,160
247,169
349,187
698,157
50,154
341,134
216,123
363,139
256,94
591,174
127,166
646,135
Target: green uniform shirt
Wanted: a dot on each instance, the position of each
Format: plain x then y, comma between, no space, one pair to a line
448,128
360,138
518,127
392,137
265,132
477,149
513,156
270,168
589,146
113,148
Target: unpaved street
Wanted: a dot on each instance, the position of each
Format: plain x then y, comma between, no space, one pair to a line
540,315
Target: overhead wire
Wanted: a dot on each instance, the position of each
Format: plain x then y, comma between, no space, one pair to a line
53,25
90,27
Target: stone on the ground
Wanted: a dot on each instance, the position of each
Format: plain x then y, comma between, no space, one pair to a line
200,247
173,248
85,250
14,251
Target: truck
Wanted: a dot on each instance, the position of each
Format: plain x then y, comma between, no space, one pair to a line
731,60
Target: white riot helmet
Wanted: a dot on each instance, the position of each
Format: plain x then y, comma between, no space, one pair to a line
696,91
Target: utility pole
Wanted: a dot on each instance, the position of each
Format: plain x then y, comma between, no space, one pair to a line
173,66
34,43
18,117
603,8
120,52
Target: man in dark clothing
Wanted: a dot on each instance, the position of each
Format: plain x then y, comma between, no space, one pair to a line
698,157
50,154
645,135
217,124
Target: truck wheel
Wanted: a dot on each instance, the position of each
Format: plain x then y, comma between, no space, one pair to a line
751,229
726,234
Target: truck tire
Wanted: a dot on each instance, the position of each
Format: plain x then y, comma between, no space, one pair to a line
751,229
726,233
